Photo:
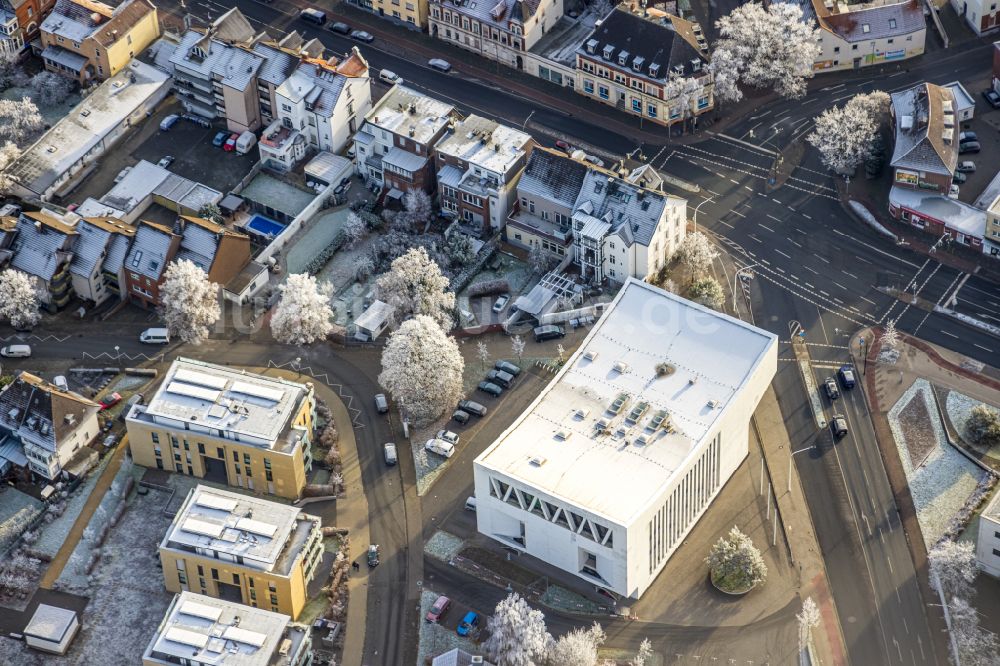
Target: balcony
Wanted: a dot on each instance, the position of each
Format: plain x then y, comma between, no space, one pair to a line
561,234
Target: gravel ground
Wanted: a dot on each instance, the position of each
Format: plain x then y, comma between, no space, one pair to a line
17,510
127,596
945,480
74,576
52,536
435,639
443,545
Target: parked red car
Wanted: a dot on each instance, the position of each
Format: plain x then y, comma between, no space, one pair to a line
230,145
438,610
109,401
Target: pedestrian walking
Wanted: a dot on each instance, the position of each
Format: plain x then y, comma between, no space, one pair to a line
355,566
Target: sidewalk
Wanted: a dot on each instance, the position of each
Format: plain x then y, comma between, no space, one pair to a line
58,563
828,639
352,515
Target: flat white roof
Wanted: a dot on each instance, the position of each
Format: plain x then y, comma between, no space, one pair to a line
87,125
257,408
555,445
227,522
50,623
206,630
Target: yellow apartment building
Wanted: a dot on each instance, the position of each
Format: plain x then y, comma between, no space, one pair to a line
243,549
413,12
91,41
227,425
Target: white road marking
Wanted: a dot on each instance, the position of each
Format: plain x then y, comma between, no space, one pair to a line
950,334
823,292
863,260
798,245
808,285
823,259
868,300
982,347
775,200
782,254
814,272
776,219
736,212
765,227
841,286
806,216
727,224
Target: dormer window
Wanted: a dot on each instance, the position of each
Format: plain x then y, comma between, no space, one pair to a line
696,65
591,46
608,51
865,28
678,69
892,24
198,52
623,58
654,69
637,63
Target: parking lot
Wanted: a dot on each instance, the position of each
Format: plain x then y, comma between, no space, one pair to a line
188,143
986,125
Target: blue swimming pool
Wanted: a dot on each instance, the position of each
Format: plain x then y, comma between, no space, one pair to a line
264,226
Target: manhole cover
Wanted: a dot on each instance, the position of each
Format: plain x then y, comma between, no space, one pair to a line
851,619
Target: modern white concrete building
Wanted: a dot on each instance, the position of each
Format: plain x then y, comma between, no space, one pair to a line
611,466
51,629
988,540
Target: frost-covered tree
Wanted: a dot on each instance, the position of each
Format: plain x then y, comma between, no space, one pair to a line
601,8
890,336
11,72
808,619
422,369
459,250
417,212
984,426
19,120
707,291
364,268
644,655
190,301
48,88
355,229
303,314
735,562
953,568
9,152
212,212
762,47
483,352
540,260
697,254
518,636
682,95
414,285
18,299
845,136
517,346
975,645
577,647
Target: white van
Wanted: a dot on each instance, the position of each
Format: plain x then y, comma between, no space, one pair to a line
16,351
470,503
246,141
155,336
389,77
61,383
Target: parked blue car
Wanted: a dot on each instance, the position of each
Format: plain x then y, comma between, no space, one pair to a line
469,624
220,138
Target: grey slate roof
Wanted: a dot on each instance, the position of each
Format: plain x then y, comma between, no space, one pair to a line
117,250
89,248
70,21
877,22
404,160
235,66
514,11
38,249
922,146
631,216
553,176
651,40
319,87
199,245
148,255
277,64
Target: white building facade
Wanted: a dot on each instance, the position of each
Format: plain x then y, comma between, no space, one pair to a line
988,540
613,464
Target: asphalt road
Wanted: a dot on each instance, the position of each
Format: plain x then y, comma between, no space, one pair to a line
813,264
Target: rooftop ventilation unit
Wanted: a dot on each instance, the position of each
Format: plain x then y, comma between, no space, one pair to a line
621,367
712,404
581,414
563,434
538,461
602,424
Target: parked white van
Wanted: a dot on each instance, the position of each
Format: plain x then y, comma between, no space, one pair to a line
155,336
61,383
246,141
389,77
16,351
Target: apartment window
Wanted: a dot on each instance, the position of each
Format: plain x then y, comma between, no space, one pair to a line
173,442
186,448
531,206
179,468
190,471
996,552
274,600
159,464
253,595
236,579
250,582
836,49
637,105
76,44
854,47
286,108
220,453
182,578
602,92
246,458
651,111
177,457
267,474
588,86
128,39
215,574
201,570
155,437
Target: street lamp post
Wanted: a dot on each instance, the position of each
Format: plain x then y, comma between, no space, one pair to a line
790,456
118,355
864,353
